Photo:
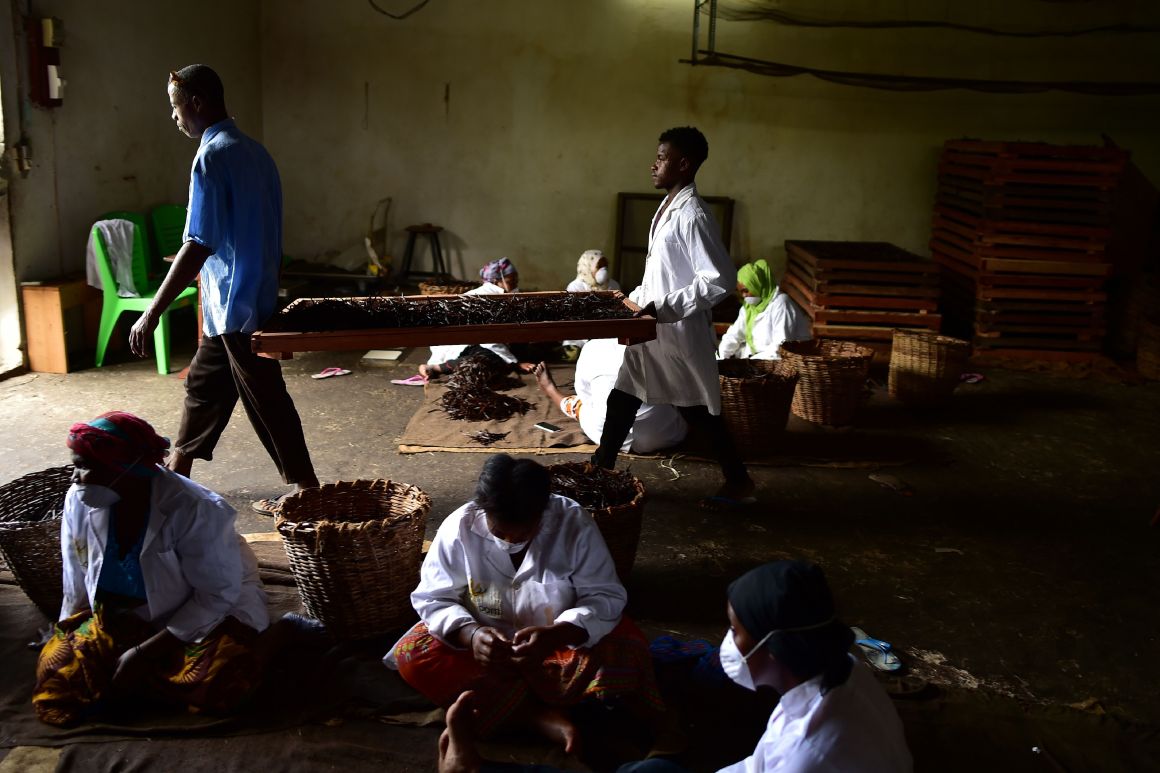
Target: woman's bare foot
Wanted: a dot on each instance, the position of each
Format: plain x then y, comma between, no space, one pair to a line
546,383
429,371
457,753
557,727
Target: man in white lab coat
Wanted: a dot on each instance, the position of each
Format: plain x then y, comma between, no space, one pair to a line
686,274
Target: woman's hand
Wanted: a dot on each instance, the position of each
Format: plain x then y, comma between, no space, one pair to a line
131,668
490,647
537,642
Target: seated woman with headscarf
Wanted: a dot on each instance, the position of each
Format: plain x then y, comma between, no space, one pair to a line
520,602
161,595
499,276
833,714
592,274
766,320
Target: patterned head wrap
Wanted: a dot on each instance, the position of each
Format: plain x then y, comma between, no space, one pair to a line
758,279
586,269
119,441
496,270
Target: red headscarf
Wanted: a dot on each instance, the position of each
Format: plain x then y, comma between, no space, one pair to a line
120,441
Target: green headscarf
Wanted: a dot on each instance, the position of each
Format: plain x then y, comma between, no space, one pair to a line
758,279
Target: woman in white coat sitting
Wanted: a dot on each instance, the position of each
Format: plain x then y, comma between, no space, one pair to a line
161,594
520,602
766,320
592,274
498,276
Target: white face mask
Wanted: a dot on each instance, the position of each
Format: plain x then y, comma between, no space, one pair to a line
511,548
752,300
96,496
736,665
601,276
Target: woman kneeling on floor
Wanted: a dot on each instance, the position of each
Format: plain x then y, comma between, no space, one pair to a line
161,595
520,602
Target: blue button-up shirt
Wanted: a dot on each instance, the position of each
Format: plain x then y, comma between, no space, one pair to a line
235,209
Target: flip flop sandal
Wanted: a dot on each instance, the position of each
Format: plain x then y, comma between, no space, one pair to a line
329,372
877,652
269,507
417,380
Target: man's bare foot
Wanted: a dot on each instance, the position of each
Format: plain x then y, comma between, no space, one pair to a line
557,727
457,753
732,496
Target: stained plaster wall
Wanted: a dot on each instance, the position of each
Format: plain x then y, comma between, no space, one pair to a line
112,145
513,124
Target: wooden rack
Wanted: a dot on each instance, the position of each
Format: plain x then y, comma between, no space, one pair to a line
281,342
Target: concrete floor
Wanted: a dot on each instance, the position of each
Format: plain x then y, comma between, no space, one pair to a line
1020,577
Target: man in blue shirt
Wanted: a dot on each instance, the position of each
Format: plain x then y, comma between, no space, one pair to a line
233,237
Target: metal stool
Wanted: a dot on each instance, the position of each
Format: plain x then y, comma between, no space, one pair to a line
432,232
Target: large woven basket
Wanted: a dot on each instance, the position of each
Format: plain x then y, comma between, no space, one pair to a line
445,285
755,401
619,524
355,549
1148,348
30,512
831,375
925,366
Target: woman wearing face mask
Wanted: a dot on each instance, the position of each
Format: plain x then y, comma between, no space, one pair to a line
520,602
592,274
833,714
161,594
767,317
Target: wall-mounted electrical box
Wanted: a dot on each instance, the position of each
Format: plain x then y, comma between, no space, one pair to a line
45,37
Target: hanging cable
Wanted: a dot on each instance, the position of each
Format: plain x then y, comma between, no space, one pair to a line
790,19
923,83
398,16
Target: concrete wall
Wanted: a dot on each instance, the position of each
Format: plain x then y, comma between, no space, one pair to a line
513,124
112,145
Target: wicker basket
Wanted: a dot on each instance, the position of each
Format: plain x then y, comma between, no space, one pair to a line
618,524
755,400
355,548
446,285
925,366
30,511
1148,348
831,375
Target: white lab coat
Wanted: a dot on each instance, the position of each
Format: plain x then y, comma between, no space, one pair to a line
854,726
118,236
444,352
578,285
655,427
782,320
197,569
687,272
567,576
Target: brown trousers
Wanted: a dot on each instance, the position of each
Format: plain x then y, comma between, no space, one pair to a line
223,370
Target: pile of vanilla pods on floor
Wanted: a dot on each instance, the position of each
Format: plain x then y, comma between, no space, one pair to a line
312,315
472,395
485,438
594,488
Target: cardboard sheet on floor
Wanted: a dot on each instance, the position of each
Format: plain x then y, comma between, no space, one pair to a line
431,429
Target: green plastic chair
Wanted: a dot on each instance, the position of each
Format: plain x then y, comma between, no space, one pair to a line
113,305
168,221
